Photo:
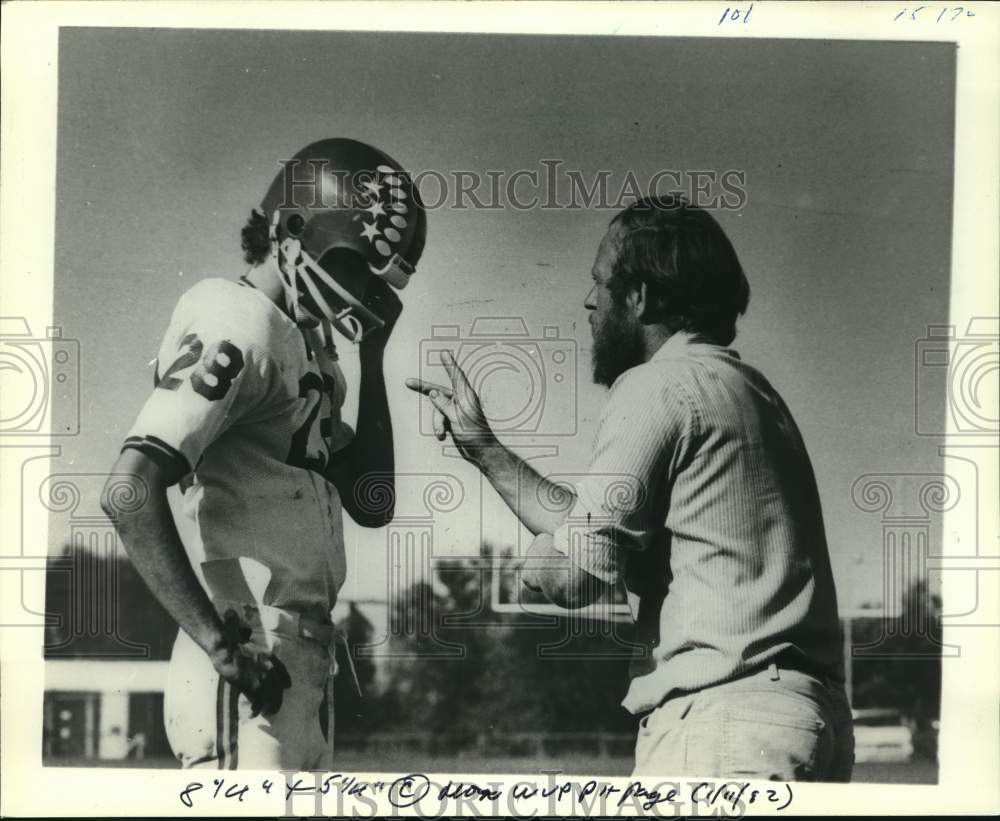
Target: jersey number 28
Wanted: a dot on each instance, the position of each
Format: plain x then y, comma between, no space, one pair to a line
216,371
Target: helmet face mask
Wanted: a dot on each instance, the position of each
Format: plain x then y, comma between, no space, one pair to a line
339,196
315,293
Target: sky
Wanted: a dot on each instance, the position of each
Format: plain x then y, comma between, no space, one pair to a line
167,139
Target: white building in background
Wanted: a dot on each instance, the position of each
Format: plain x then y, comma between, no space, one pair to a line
112,710
96,708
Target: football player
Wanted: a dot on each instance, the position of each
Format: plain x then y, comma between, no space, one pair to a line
245,417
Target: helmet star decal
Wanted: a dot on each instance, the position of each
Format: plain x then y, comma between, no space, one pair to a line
342,194
385,194
370,230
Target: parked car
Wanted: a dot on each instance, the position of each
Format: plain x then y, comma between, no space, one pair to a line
925,740
881,734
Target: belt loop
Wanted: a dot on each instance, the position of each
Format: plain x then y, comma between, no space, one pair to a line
772,668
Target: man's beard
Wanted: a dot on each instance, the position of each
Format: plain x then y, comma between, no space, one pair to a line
618,346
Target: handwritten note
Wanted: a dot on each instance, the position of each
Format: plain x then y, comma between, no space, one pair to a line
939,14
740,15
735,14
343,794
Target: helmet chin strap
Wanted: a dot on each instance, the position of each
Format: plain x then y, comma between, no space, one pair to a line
284,256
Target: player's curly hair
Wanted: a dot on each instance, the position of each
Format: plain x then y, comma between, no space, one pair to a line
255,238
687,262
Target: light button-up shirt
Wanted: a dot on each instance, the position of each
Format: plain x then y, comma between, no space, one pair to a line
701,498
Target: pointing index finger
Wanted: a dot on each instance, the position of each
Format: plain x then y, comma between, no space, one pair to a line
425,387
454,370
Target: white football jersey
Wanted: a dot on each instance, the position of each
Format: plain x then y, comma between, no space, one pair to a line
247,405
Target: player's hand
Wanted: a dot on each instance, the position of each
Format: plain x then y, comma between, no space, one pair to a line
457,410
528,589
269,695
261,677
381,299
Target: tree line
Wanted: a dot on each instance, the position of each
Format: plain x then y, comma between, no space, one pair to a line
452,666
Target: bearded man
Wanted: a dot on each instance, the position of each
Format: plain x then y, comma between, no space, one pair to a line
720,543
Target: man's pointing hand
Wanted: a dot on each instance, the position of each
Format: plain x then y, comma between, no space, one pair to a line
457,410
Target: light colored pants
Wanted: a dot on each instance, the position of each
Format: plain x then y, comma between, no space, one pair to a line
209,725
780,725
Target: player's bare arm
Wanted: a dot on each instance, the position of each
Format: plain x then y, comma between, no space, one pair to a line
458,411
370,457
154,546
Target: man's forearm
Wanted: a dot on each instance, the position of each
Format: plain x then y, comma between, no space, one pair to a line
554,574
523,489
154,546
373,446
371,453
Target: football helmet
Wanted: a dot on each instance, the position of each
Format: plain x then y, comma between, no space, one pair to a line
340,195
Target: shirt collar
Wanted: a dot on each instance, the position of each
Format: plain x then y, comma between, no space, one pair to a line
682,342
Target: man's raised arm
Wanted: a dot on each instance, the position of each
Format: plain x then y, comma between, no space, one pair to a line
457,410
370,457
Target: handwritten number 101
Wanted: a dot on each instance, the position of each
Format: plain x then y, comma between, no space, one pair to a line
734,14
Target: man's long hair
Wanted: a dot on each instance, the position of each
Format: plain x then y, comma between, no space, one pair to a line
692,274
255,238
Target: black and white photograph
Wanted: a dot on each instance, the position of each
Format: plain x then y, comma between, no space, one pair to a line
503,419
